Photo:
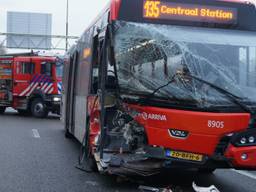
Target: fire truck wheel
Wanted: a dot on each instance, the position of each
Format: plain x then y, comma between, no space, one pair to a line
2,110
38,108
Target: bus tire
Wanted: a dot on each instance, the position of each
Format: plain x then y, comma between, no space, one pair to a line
38,108
68,135
2,110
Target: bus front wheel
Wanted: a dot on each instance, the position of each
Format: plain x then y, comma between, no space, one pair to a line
68,135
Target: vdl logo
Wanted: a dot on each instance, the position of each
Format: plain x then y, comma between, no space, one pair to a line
151,116
178,133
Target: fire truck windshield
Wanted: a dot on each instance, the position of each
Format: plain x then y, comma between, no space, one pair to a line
149,56
59,66
59,70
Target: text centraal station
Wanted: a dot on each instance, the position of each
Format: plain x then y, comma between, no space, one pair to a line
157,9
203,12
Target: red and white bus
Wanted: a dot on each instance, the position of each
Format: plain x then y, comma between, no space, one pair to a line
158,84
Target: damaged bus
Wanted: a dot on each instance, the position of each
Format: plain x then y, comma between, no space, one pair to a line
159,84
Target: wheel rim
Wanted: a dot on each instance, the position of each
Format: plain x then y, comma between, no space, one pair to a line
39,108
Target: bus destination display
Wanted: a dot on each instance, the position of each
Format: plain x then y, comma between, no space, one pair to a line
189,12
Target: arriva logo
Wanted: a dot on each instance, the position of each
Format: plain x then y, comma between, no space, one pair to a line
151,116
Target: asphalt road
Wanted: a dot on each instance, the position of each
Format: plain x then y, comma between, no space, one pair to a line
35,157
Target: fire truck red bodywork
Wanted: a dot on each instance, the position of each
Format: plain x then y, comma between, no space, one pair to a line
31,77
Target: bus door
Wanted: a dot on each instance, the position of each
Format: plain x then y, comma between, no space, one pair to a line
22,76
70,93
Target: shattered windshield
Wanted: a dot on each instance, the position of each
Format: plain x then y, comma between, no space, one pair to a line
148,56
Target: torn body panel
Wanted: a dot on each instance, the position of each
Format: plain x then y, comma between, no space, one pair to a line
139,141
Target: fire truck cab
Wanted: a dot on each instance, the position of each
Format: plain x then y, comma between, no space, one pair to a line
30,83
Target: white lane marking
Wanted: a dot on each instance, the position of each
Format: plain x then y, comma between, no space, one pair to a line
245,173
35,133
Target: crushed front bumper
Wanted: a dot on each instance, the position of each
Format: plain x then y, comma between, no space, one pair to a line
153,160
242,157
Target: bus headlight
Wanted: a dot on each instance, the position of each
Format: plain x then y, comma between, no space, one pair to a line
245,139
252,139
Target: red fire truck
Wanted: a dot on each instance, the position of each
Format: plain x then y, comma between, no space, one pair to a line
158,84
30,84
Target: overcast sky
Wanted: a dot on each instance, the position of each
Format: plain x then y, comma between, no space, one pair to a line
81,13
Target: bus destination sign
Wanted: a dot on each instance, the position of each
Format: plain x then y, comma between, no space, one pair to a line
154,9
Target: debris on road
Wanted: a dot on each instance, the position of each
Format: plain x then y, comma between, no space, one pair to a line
204,189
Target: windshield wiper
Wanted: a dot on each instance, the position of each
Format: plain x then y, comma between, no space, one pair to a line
172,97
149,96
234,98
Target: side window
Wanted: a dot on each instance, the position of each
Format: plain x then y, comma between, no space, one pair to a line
247,66
46,68
25,68
95,66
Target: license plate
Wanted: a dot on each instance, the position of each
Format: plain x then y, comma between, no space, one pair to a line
184,156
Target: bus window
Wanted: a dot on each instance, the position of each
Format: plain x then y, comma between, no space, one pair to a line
148,58
95,66
247,67
111,78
